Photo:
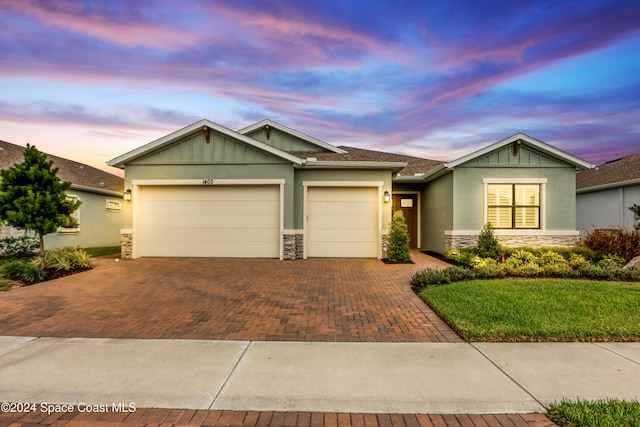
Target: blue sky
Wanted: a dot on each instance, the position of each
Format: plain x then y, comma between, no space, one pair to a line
90,80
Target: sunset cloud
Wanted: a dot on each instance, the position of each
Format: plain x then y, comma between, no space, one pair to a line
422,78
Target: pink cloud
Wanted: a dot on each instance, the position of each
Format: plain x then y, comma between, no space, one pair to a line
74,17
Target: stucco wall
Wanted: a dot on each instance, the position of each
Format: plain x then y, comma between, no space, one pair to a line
436,213
468,190
606,208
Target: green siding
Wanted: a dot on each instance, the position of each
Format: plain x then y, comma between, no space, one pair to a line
340,175
527,156
436,214
284,141
193,149
468,190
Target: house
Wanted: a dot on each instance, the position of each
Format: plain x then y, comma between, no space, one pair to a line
270,191
100,214
605,194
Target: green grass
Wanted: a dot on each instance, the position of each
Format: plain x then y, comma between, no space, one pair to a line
600,413
539,309
107,250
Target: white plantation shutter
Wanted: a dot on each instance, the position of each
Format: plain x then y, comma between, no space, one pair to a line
513,205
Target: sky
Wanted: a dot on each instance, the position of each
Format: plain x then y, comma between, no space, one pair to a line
91,80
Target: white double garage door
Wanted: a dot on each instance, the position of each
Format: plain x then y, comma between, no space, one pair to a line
246,221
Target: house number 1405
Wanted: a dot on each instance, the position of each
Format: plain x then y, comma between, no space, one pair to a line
207,181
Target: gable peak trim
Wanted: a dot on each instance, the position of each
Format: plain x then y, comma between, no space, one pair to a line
524,139
283,128
167,140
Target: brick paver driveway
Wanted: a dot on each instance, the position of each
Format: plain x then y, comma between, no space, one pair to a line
229,299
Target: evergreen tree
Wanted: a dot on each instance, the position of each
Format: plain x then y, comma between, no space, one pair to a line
398,247
488,244
33,198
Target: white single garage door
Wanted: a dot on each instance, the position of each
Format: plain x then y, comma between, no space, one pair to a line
208,221
342,222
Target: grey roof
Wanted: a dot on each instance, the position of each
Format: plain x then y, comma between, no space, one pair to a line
415,165
619,171
74,172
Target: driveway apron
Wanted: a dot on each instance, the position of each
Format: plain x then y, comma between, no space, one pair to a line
322,300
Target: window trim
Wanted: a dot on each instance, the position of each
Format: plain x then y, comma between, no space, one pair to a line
543,198
75,214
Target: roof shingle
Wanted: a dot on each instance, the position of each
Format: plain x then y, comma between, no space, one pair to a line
615,171
74,172
416,165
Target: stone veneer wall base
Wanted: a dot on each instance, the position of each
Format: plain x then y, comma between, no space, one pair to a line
126,245
512,241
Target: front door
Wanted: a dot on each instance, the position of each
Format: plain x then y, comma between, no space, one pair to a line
408,204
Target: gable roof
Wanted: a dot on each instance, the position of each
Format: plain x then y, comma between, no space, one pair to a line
167,140
527,140
81,176
615,173
283,128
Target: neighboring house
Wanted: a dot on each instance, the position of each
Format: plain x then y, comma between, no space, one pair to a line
605,194
100,214
270,191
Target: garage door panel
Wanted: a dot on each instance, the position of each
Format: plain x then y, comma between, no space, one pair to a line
208,221
345,221
342,222
204,220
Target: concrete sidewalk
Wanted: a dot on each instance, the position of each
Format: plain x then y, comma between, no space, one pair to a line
420,378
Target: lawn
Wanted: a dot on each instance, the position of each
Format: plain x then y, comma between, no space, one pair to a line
512,310
600,413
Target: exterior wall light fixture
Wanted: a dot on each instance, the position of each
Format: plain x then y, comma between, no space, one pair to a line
386,197
127,195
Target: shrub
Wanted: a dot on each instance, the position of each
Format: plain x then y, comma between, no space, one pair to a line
15,247
434,277
5,284
577,261
621,242
611,261
488,245
551,258
398,247
452,254
27,272
559,270
489,270
521,257
526,270
67,258
468,257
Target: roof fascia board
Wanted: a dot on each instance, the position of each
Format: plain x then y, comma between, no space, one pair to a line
293,132
608,186
169,139
336,164
575,161
96,190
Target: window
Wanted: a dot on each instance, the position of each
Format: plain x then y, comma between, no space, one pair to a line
513,205
75,215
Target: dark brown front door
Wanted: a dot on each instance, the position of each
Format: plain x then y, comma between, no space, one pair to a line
408,204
